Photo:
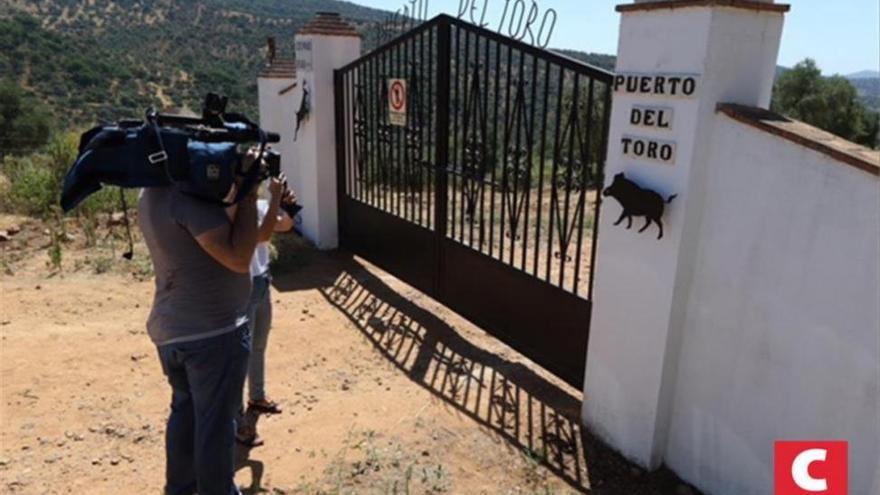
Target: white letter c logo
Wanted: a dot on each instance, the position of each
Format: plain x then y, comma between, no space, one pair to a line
801,474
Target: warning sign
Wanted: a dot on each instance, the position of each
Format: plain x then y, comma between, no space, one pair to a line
397,102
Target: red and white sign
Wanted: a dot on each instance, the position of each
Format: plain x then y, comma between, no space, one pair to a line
397,102
810,468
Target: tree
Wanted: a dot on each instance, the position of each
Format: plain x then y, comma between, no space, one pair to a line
24,123
829,103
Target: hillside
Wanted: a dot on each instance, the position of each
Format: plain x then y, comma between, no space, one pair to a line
105,59
100,60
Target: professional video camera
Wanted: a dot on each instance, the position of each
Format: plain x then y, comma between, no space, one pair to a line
200,156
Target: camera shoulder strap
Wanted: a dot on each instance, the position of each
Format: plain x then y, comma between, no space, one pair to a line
160,157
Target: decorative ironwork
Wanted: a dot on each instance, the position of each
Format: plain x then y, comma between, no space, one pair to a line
384,135
524,140
414,161
517,21
518,166
408,16
474,152
487,199
570,173
360,129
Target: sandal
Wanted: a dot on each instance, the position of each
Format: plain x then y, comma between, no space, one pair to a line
265,406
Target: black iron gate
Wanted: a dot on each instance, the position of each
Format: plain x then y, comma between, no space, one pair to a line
486,196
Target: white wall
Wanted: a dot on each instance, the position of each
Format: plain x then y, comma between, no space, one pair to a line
271,105
781,338
757,317
641,284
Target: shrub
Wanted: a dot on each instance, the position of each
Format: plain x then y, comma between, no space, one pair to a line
31,190
36,180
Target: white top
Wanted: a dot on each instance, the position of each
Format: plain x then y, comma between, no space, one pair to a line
260,261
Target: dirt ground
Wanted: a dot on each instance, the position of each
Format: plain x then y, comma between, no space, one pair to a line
383,389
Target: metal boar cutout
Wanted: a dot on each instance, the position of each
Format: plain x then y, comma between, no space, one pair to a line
637,202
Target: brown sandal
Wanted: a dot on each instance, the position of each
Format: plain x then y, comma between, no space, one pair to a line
265,406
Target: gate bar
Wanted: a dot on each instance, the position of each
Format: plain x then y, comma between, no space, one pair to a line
444,41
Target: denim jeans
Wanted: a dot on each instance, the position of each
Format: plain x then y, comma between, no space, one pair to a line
260,321
206,378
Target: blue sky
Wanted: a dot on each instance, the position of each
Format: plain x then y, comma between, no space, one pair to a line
843,36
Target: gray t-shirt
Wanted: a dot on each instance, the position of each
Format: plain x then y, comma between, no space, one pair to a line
196,297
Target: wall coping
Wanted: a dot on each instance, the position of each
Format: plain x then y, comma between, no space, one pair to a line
280,68
805,135
329,24
678,4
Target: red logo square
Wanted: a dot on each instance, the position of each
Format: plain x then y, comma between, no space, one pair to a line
810,468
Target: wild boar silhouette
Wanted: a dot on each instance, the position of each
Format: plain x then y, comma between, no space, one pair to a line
637,201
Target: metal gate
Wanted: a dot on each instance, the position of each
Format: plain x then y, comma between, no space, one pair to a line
486,198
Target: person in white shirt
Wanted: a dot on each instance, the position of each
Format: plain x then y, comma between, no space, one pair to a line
271,219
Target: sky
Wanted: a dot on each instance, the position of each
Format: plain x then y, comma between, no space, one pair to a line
843,36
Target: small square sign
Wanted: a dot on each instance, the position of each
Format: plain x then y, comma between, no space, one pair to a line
397,102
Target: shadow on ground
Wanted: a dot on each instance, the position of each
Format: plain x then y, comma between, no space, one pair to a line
256,467
527,410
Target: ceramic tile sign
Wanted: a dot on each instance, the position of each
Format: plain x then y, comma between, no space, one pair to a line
657,85
651,117
397,102
303,55
653,114
647,148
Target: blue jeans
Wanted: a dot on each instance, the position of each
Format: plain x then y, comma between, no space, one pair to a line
260,321
206,378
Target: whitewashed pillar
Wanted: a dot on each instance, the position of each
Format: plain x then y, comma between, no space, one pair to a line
275,85
326,43
706,52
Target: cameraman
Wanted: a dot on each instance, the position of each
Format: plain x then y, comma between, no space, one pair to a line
201,259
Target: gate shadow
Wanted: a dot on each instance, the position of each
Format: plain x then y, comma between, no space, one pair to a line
525,409
520,406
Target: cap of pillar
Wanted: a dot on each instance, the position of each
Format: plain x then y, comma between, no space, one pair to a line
279,68
329,24
760,5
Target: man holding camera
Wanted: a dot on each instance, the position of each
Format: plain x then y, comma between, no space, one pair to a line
198,322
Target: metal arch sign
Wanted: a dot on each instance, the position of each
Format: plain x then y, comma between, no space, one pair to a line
397,102
518,20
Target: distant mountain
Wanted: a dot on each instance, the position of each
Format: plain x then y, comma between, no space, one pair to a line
865,74
869,91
